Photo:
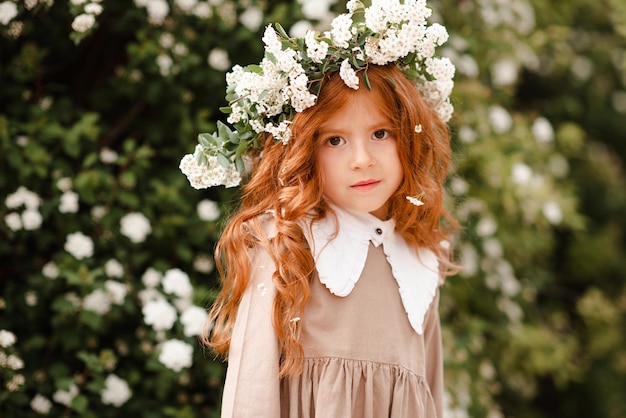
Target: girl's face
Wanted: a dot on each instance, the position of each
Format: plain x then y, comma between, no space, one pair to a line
358,156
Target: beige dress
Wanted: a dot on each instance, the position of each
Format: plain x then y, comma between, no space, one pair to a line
363,358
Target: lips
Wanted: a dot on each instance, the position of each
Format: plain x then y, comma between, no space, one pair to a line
365,184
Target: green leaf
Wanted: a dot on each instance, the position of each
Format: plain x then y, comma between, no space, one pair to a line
240,164
223,160
226,109
366,80
255,68
281,30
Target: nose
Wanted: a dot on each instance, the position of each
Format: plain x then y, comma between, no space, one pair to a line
361,155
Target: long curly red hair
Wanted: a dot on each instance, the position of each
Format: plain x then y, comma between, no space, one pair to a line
286,181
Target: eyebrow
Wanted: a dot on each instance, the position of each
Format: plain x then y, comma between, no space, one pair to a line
379,124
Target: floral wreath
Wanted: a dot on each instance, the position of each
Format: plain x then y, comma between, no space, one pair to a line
264,98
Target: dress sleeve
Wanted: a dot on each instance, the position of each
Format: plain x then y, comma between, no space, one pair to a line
434,354
252,387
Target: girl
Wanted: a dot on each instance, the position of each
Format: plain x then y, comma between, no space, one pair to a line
332,264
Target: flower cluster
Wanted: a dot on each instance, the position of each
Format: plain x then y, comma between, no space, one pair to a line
264,98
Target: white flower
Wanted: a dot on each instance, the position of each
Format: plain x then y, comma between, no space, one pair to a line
177,282
165,63
315,9
64,184
97,301
218,59
500,119
22,196
316,50
157,11
41,404
542,130
415,200
93,8
50,270
553,212
160,314
212,174
504,72
65,397
176,355
193,319
135,226
107,155
117,291
113,268
13,221
208,210
348,75
31,219
8,10
300,29
203,263
83,22
116,391
151,278
31,298
521,173
13,362
69,202
186,5
7,338
340,31
203,10
467,134
98,212
487,226
79,245
252,18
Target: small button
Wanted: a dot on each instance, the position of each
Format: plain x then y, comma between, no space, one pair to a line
379,231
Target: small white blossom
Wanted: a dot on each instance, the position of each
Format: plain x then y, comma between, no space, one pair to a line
504,72
553,212
31,298
315,9
203,10
13,221
487,226
415,200
135,226
340,31
117,291
151,278
542,130
203,263
251,18
159,314
97,301
69,202
212,174
93,8
348,75
218,59
83,22
107,155
79,245
65,397
98,212
186,5
41,404
208,210
13,362
7,338
22,196
176,281
316,50
31,219
116,391
521,174
8,10
113,268
500,119
176,355
64,184
50,270
193,319
164,62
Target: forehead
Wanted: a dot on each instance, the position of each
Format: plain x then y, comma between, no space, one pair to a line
363,107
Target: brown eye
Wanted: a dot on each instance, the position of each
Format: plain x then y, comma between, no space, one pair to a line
380,135
335,141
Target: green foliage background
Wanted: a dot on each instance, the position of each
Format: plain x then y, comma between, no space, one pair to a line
533,327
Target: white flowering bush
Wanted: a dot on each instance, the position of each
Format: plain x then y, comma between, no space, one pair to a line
106,264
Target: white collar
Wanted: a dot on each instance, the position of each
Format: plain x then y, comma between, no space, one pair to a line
340,255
